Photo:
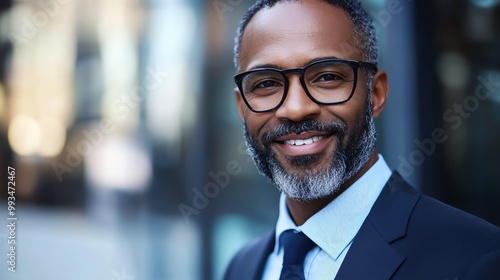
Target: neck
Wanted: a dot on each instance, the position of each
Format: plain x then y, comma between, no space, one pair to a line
302,211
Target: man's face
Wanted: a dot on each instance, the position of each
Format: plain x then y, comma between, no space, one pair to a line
335,141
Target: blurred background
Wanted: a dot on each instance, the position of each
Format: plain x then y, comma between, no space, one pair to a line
119,119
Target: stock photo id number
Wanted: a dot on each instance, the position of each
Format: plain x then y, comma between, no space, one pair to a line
11,218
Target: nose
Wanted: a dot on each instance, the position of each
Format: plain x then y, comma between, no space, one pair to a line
297,105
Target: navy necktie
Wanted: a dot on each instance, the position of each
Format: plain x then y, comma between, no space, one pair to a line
296,246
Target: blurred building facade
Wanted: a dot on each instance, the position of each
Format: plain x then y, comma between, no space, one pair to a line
119,119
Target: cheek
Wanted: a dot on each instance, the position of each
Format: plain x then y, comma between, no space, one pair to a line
358,120
257,123
351,113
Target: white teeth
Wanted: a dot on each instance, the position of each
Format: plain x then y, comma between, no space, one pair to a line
300,142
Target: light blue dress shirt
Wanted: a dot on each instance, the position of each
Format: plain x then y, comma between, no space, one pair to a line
332,228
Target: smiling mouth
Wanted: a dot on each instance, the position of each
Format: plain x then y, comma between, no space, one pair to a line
306,143
302,142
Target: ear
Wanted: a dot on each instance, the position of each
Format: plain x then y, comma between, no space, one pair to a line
380,90
239,103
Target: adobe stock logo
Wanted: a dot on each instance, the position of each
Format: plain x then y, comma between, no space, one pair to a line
121,106
455,117
383,17
31,26
211,190
224,6
123,275
219,180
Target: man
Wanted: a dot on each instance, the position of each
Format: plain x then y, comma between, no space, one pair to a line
308,91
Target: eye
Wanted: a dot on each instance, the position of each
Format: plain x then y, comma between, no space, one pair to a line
265,87
267,84
329,77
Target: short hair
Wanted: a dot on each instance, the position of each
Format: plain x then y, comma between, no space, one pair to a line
364,31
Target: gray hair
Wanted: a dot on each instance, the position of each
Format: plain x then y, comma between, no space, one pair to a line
364,30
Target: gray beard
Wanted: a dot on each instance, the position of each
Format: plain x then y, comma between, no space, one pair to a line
313,184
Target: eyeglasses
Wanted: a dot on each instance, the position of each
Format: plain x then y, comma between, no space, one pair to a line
326,82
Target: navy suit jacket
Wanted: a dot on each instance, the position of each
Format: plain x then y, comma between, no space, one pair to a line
406,236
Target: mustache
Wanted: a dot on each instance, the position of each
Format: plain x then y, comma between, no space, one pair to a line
283,129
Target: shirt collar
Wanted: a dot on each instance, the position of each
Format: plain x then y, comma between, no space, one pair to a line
333,228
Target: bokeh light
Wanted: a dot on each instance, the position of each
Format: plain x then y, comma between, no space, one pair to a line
25,135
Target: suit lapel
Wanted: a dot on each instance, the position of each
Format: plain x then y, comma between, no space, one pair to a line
371,255
257,259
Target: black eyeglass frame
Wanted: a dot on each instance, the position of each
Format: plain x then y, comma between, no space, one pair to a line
354,64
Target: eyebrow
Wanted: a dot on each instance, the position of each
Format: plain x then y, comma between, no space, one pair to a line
274,66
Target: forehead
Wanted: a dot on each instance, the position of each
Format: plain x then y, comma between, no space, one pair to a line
291,34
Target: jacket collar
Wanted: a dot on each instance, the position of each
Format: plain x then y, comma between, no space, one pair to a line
371,256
